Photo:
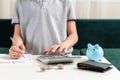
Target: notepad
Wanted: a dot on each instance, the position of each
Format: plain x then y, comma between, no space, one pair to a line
4,58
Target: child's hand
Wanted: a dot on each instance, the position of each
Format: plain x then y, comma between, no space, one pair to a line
58,48
16,52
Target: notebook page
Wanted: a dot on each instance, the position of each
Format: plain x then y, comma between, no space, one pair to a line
4,58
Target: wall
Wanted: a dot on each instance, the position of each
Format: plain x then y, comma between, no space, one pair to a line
6,8
98,9
84,8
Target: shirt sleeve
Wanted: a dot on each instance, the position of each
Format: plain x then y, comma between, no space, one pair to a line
16,17
70,11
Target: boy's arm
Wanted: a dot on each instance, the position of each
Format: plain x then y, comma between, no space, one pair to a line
16,51
72,34
17,35
68,42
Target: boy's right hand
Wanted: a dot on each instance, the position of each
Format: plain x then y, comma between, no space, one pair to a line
16,52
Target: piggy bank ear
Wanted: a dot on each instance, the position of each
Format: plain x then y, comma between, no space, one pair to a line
97,46
89,45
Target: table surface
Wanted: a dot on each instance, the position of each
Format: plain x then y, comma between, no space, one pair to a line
31,71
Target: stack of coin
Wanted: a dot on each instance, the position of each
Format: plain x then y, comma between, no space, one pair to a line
60,66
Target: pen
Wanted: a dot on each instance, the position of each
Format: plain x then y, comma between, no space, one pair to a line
14,43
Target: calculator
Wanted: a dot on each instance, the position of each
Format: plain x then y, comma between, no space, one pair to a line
56,59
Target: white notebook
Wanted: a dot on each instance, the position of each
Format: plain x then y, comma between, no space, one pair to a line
4,58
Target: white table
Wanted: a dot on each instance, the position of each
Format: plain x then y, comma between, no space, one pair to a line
31,71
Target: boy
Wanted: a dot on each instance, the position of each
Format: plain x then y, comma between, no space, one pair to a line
43,27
